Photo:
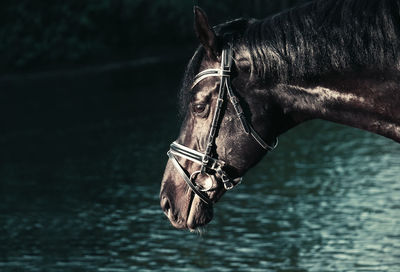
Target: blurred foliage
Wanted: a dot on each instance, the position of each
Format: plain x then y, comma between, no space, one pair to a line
53,33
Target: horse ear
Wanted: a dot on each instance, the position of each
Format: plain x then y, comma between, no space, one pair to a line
205,33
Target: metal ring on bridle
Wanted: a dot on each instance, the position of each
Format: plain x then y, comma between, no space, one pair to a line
201,188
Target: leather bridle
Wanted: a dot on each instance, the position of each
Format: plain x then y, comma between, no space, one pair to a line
210,165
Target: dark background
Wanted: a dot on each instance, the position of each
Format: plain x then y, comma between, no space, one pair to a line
52,34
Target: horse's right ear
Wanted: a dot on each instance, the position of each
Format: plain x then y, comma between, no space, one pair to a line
205,33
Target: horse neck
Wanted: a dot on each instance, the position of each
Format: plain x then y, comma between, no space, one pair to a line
335,60
365,100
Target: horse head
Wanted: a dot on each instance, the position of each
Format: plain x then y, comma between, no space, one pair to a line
228,125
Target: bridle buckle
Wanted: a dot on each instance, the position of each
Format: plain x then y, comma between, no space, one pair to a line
228,185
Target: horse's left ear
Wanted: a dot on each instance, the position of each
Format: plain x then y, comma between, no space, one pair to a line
205,33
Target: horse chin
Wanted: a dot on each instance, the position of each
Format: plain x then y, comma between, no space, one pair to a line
199,214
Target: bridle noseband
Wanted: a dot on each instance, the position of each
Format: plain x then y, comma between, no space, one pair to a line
209,165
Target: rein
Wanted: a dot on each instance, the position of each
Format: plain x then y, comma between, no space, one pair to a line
210,165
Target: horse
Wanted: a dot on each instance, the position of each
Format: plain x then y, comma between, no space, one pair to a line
252,80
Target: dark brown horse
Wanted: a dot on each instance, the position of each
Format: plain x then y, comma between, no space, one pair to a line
252,80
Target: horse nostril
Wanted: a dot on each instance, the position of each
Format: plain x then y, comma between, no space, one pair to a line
165,205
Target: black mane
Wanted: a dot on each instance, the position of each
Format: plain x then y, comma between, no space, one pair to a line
320,37
325,36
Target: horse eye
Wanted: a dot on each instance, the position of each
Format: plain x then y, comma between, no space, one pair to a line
199,108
